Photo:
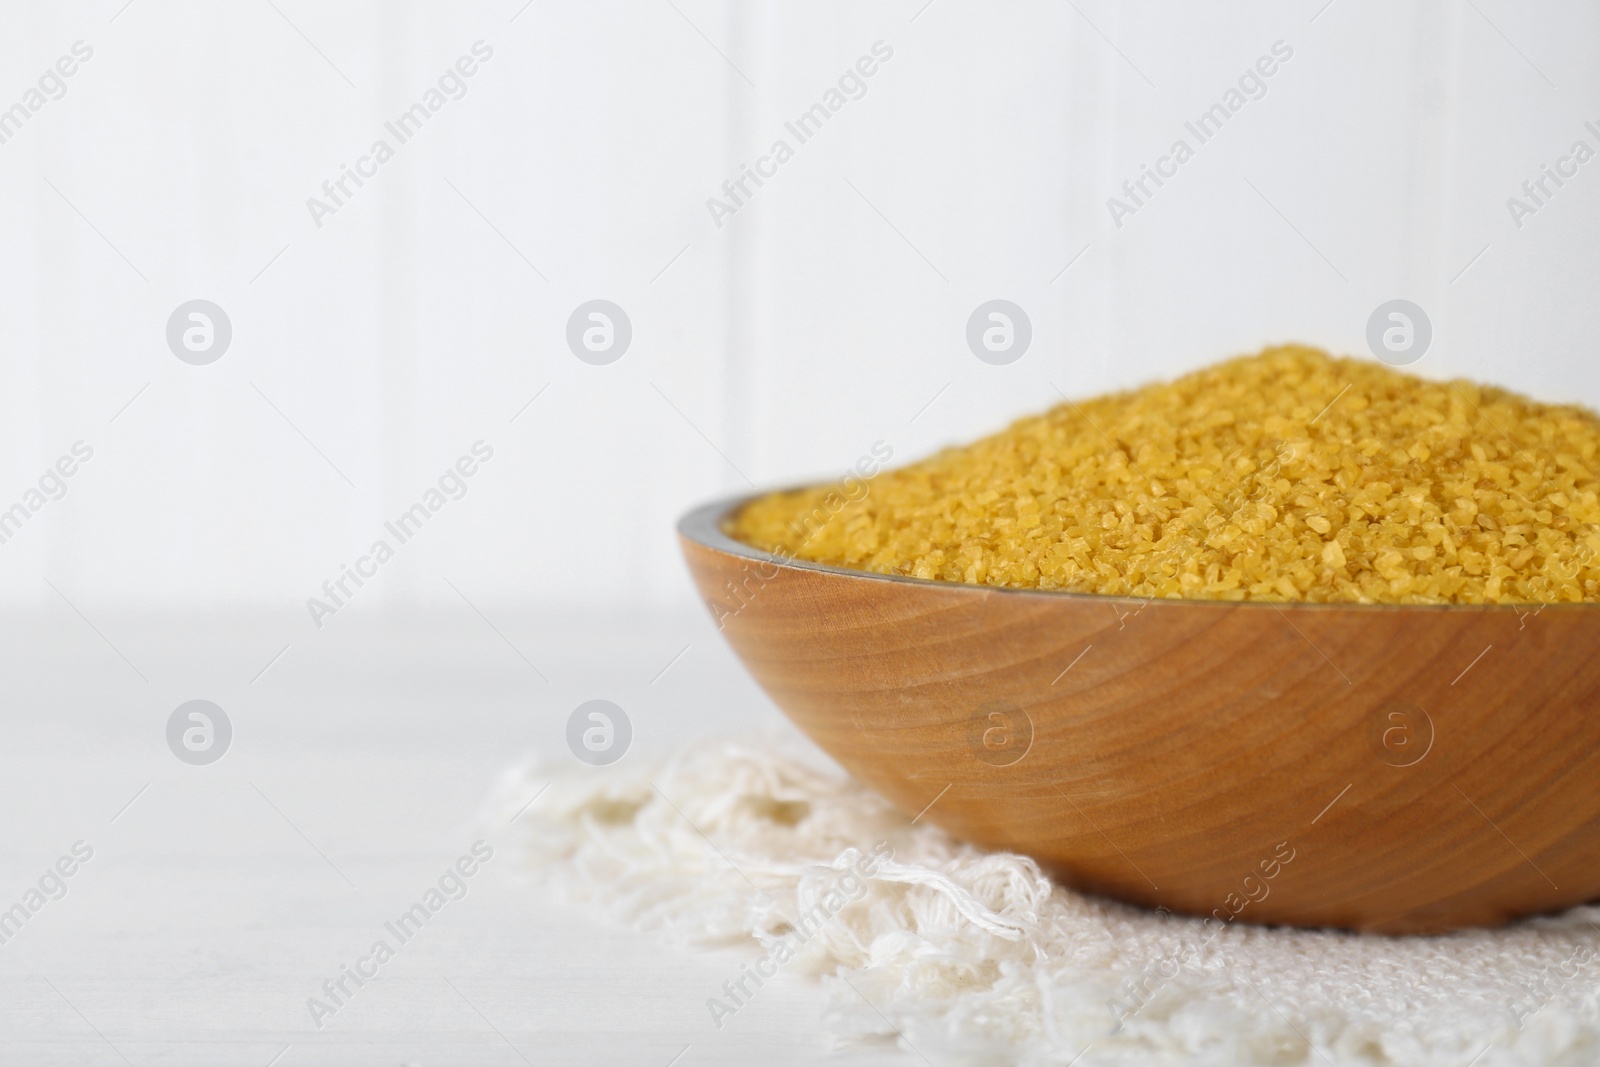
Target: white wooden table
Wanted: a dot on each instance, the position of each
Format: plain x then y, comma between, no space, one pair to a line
220,897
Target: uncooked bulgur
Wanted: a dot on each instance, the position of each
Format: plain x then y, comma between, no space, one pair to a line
1288,475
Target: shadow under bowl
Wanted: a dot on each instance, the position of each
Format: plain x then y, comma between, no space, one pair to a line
1392,768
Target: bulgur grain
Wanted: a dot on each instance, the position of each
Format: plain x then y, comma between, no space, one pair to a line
1289,476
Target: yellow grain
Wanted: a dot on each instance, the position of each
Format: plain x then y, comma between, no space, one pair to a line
1235,483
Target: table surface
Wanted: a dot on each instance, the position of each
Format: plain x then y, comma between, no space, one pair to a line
220,897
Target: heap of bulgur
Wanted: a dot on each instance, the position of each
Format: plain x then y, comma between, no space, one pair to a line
1288,475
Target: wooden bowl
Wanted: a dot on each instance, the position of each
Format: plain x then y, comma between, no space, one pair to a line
1380,767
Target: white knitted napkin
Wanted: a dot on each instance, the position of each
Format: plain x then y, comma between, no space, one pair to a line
971,957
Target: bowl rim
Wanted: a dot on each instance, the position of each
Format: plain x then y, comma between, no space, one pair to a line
702,525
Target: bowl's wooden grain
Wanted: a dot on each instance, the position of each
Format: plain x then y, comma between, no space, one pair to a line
1390,768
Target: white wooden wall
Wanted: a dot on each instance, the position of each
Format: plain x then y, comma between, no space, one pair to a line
829,313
